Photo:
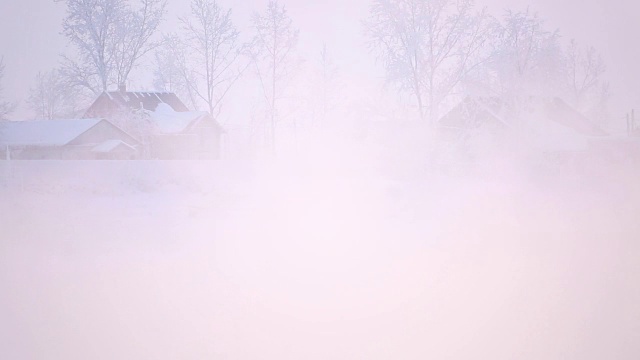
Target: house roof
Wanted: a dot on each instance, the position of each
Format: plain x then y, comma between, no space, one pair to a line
110,101
560,112
149,100
168,121
43,132
165,110
112,145
474,112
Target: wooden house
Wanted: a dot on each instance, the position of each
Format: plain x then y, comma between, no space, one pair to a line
548,125
162,123
77,139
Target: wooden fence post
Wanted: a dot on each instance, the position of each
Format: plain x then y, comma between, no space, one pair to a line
628,125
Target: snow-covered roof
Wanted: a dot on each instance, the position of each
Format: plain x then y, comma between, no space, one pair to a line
43,132
554,126
474,112
559,111
111,145
111,102
168,121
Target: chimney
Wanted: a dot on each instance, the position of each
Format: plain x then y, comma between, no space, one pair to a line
122,88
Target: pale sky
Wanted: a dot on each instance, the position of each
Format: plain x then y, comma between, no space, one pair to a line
30,39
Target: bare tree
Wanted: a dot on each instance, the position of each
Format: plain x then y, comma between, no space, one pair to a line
428,47
93,27
167,74
134,37
212,42
6,107
51,97
172,73
110,38
325,87
584,71
81,75
272,50
528,59
585,83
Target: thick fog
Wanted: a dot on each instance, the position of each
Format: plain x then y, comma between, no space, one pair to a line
351,208
317,260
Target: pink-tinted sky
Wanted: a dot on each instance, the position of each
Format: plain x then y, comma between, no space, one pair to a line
30,39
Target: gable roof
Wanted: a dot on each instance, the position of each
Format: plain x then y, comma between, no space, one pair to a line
472,113
111,101
112,145
43,132
168,121
560,112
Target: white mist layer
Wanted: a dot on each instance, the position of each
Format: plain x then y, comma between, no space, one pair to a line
319,255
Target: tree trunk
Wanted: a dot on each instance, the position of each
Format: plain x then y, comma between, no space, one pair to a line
273,92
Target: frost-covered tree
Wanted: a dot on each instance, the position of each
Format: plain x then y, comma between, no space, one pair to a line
528,59
272,53
584,77
203,61
110,38
51,97
171,72
6,107
214,50
428,47
135,37
324,88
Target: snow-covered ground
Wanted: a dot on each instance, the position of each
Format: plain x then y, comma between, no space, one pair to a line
223,260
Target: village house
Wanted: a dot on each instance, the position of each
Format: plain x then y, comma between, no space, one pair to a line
163,124
77,139
549,127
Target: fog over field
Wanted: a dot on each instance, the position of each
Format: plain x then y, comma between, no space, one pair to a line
320,262
332,181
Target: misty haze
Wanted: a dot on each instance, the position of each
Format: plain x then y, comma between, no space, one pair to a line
294,179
